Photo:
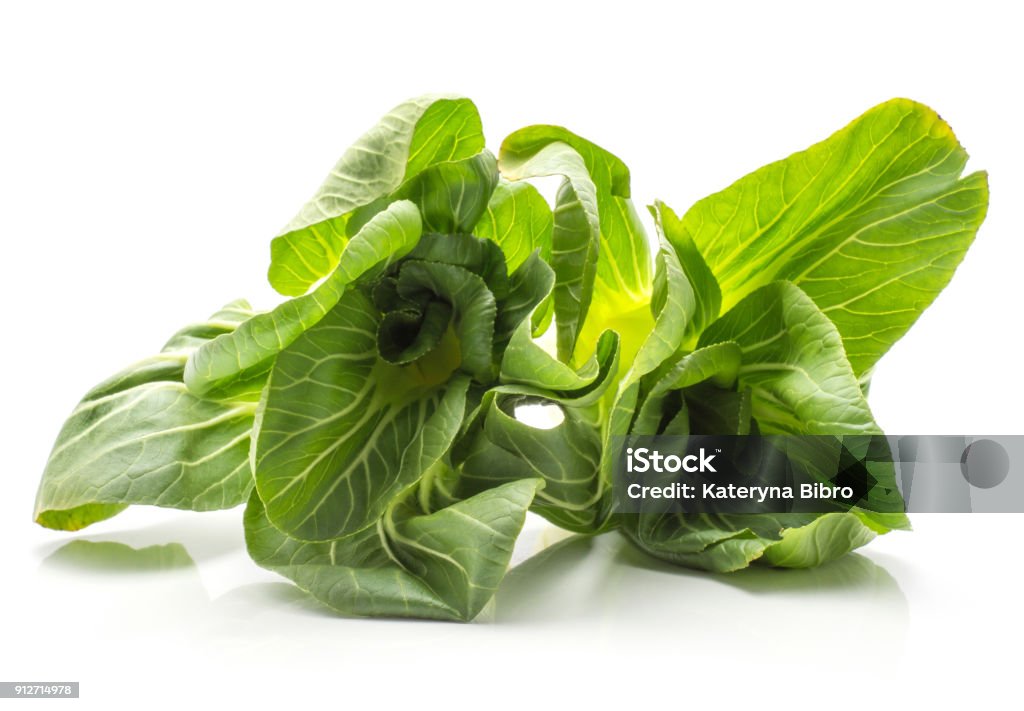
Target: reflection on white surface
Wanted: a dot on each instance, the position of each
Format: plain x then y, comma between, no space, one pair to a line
581,580
177,605
601,587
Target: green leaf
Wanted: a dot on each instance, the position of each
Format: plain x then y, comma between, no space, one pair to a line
411,138
567,457
498,448
576,235
347,397
427,329
828,537
718,363
441,565
342,430
452,197
519,220
141,437
473,309
624,266
778,344
525,362
727,543
530,372
794,364
703,541
622,283
705,287
528,298
463,550
479,256
252,347
711,542
673,305
870,223
479,266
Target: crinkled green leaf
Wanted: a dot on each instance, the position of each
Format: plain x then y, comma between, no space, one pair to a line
340,426
479,256
704,380
513,297
622,281
526,362
828,537
576,236
694,540
407,335
718,363
528,298
567,457
411,138
705,287
453,196
252,347
794,364
498,448
624,264
672,306
473,309
727,543
444,564
776,345
518,220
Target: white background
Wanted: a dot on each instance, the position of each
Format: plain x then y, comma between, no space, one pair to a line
147,156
